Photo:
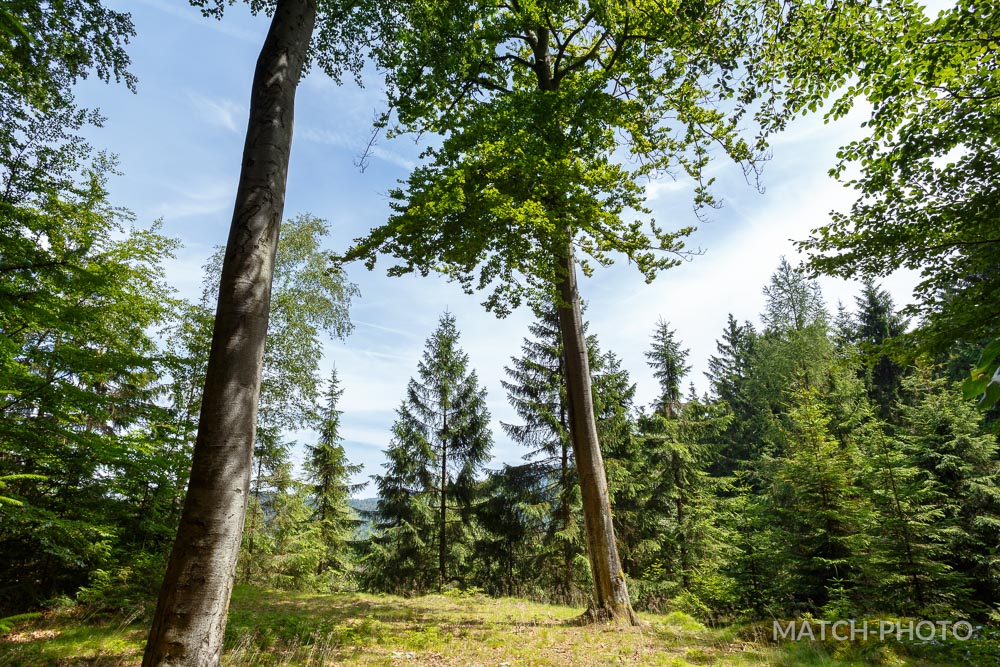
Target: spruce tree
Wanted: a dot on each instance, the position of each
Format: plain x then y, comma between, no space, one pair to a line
442,441
677,530
329,473
943,437
877,324
536,387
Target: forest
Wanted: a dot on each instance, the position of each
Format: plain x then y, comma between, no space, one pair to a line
176,485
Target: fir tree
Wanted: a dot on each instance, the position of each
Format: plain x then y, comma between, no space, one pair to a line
877,324
442,440
669,364
329,473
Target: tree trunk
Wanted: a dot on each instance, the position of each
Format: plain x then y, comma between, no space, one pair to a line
194,599
442,533
611,601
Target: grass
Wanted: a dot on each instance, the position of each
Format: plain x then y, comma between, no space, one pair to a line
282,628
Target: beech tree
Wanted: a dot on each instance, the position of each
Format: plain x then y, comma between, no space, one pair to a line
550,114
190,616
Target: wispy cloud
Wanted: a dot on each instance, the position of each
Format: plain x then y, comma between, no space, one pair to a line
187,13
223,112
357,145
201,199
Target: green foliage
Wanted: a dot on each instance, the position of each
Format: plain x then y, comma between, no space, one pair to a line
80,294
984,380
329,473
551,114
927,176
441,442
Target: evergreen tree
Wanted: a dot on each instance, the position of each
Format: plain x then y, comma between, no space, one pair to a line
669,364
329,473
943,438
676,528
822,515
442,440
536,387
878,323
401,557
729,376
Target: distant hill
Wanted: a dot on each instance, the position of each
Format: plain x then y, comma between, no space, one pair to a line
361,506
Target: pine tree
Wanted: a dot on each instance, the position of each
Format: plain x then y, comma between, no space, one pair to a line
943,438
879,323
443,429
729,376
677,530
401,558
669,364
329,473
819,507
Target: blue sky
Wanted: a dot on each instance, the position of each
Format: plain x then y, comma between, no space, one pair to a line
180,138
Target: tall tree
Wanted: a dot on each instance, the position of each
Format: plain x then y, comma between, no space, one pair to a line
729,376
330,473
190,616
536,103
444,425
878,324
669,364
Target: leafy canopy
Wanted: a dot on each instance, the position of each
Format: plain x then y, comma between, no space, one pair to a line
551,117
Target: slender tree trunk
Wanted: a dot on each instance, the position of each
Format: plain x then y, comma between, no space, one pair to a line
564,480
611,601
190,618
442,532
679,503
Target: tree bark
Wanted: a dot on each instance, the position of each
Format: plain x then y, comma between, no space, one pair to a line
194,600
611,601
442,532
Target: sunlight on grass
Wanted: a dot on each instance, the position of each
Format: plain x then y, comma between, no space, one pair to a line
281,628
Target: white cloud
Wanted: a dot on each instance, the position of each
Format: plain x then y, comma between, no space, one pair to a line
222,112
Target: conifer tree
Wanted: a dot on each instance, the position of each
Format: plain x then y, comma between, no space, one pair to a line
879,323
442,440
729,375
820,510
536,387
329,474
669,364
942,436
677,528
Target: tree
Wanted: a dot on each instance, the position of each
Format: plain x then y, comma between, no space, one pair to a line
443,428
729,376
81,293
190,617
47,48
942,437
329,473
878,323
536,104
669,364
927,187
536,388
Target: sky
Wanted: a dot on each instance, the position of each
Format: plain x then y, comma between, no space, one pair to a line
179,141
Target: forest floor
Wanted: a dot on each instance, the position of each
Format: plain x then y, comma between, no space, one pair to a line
281,628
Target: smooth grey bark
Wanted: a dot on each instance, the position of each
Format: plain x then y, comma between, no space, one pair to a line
191,613
611,600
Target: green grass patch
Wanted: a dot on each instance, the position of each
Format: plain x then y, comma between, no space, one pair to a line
282,628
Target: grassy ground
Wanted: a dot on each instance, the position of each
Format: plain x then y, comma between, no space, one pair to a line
280,628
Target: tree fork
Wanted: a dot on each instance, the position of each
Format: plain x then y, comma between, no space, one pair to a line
190,619
611,601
